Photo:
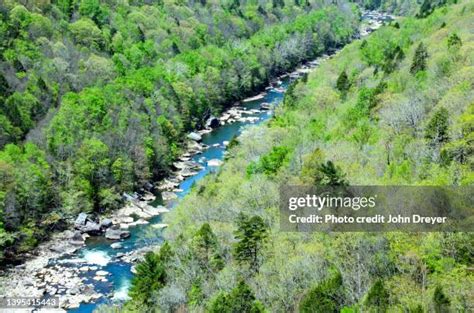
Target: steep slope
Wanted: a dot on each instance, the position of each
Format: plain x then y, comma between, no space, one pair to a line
396,108
116,85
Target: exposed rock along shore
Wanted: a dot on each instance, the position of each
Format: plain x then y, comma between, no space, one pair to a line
36,277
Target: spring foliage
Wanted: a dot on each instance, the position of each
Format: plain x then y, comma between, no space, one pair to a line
391,127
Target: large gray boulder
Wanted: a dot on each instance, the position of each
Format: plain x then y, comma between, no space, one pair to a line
106,223
85,224
116,234
194,136
91,228
116,245
77,238
81,220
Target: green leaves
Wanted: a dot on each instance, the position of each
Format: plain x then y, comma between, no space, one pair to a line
25,195
454,42
378,297
206,249
240,300
269,164
330,175
251,234
86,32
437,129
441,301
419,59
150,277
343,84
324,297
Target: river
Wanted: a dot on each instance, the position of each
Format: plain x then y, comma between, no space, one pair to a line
99,254
98,251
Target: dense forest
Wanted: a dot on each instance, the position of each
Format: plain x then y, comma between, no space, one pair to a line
96,96
396,108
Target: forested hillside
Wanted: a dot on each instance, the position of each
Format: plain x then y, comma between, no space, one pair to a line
394,109
95,96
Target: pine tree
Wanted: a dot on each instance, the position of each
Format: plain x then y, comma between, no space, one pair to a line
378,297
425,9
343,84
437,129
278,3
206,248
441,301
150,277
330,175
393,57
323,297
240,300
290,99
454,41
419,60
251,234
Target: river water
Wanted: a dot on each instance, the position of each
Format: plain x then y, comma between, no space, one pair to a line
98,251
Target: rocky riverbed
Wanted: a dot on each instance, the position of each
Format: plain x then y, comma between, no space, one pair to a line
48,271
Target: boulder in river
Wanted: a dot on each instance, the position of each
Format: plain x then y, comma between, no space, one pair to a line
91,228
85,224
212,122
265,106
81,220
102,273
116,245
194,136
255,98
214,162
106,223
166,195
116,234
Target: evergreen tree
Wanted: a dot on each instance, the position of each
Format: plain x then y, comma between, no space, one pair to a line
330,175
240,300
261,10
441,301
206,248
428,6
150,277
323,298
289,98
419,60
343,84
454,41
437,129
425,9
175,48
393,57
278,3
251,234
377,297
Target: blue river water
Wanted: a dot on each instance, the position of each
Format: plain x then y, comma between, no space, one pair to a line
98,251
